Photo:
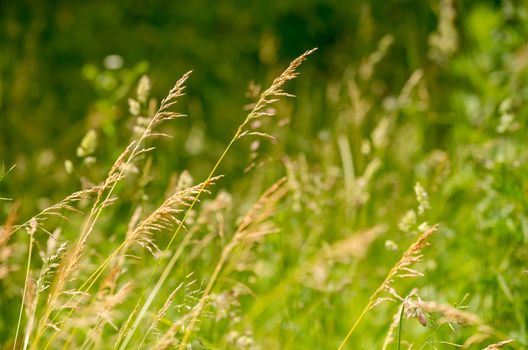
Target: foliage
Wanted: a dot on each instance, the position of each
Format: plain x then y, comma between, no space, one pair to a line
382,208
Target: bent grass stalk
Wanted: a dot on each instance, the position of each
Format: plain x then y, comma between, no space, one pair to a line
268,97
92,219
171,263
410,256
97,208
161,218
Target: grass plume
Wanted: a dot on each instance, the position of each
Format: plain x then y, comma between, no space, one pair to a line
402,269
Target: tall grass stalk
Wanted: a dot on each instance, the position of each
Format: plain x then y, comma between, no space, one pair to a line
25,290
409,257
268,97
115,175
400,326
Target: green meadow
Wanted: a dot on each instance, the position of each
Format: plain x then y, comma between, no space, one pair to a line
264,175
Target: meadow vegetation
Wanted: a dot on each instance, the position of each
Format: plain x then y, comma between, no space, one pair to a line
379,206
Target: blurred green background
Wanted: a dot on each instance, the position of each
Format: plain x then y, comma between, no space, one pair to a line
458,127
55,84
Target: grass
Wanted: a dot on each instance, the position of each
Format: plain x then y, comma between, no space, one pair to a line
401,225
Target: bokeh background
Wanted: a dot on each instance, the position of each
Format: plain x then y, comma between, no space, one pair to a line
56,85
398,92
